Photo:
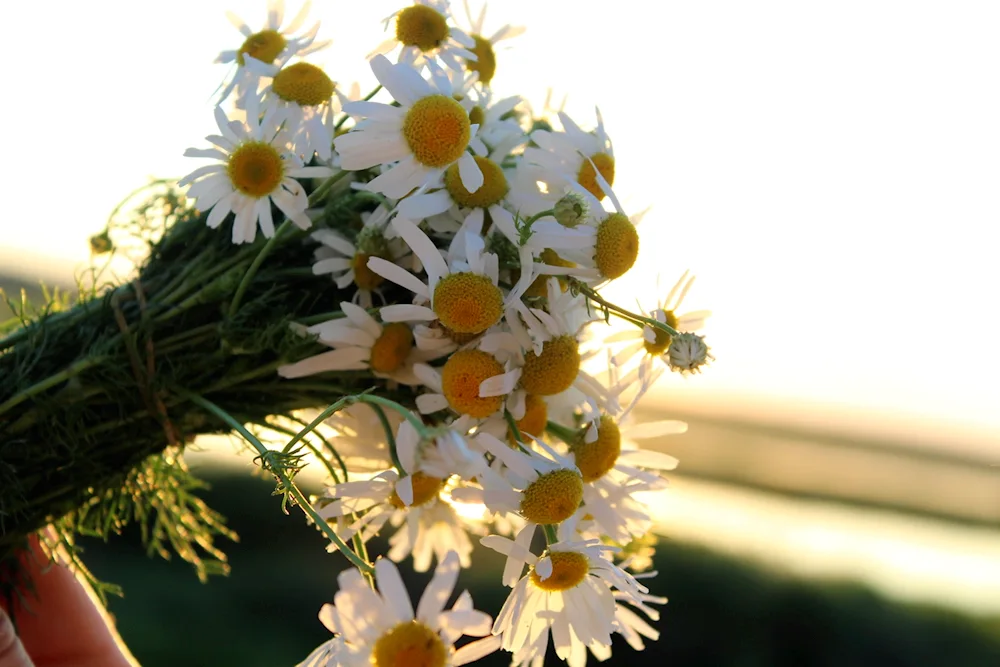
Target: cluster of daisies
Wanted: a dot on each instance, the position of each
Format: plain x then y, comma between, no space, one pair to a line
474,275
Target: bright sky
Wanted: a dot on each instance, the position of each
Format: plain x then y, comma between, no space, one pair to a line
829,170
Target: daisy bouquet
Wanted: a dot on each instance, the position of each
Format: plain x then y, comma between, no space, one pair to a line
402,289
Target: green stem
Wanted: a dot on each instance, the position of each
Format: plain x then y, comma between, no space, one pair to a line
621,312
67,373
278,471
252,270
325,186
564,433
389,438
550,533
542,214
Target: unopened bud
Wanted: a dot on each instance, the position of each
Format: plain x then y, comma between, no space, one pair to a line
571,209
688,353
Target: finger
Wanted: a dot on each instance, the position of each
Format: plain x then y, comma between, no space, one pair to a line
11,649
62,625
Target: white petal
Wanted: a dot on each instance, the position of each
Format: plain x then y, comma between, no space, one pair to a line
438,590
470,173
390,585
398,275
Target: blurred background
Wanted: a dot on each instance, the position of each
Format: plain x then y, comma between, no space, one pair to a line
829,171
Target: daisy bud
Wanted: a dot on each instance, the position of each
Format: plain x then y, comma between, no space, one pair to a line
688,353
571,209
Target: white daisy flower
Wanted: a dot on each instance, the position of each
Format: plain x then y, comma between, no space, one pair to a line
360,342
465,297
380,628
359,437
346,261
604,246
253,171
567,593
423,33
648,344
542,488
574,156
267,45
458,385
310,97
485,64
447,193
427,133
437,530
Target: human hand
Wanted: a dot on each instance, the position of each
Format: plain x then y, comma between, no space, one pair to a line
62,624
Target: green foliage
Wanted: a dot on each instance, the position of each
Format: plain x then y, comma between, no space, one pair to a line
93,407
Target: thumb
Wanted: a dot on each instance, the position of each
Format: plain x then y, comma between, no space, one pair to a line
12,652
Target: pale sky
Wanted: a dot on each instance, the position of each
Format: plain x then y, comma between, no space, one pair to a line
829,170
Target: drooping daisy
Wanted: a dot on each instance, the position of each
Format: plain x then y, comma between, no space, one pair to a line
649,344
423,32
427,133
380,629
485,64
253,171
568,593
360,342
346,261
437,530
574,156
270,43
465,297
542,488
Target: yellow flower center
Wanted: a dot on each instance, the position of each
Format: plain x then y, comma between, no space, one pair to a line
487,63
425,489
303,83
553,497
569,568
467,303
264,46
595,459
493,189
536,417
255,168
663,339
616,247
422,27
461,376
437,130
409,644
364,277
587,177
554,370
391,348
540,286
477,115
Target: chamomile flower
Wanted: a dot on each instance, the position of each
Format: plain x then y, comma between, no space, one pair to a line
267,45
253,171
437,530
485,64
426,466
427,133
574,156
568,593
649,344
542,488
310,97
448,193
423,33
457,385
346,261
360,342
465,297
380,628
603,247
